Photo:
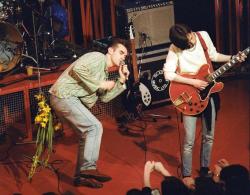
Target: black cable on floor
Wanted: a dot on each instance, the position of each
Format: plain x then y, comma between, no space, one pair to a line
179,167
145,141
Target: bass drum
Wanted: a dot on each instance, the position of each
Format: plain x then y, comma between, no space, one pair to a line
11,46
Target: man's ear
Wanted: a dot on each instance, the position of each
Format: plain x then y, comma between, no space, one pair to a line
110,50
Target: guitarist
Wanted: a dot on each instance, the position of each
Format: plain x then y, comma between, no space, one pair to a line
187,53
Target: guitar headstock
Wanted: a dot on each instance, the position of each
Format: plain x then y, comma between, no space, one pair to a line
130,30
236,58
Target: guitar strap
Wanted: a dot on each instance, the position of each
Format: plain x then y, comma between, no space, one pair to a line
204,46
216,97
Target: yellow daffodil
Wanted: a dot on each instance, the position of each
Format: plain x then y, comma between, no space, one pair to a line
38,119
46,127
47,109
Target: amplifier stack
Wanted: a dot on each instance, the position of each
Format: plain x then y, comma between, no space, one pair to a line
152,21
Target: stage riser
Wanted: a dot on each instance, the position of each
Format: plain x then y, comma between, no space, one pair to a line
14,113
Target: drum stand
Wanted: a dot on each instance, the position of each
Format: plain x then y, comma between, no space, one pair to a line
21,27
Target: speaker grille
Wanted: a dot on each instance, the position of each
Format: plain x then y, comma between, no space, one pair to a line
151,22
11,110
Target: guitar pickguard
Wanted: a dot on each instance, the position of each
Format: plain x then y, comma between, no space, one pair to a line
205,92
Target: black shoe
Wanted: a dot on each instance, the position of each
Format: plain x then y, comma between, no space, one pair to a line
95,174
88,182
125,131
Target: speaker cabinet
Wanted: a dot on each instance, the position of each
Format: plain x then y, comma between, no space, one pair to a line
150,62
152,76
151,21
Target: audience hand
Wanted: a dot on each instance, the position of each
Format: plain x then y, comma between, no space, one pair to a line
218,167
160,168
216,173
222,163
149,166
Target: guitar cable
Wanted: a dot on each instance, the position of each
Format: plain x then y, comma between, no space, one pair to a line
178,170
144,141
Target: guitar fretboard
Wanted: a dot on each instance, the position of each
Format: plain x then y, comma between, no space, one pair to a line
226,66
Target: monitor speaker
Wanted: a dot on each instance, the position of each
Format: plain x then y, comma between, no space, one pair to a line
151,20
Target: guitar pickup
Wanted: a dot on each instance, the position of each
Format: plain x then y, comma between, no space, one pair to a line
183,98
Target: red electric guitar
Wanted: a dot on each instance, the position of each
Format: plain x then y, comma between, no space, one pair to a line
191,101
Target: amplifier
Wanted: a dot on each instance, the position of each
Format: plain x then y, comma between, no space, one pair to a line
150,65
151,20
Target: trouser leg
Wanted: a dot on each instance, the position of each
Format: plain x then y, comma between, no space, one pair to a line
207,138
189,123
88,127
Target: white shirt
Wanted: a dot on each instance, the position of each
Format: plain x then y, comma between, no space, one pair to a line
190,60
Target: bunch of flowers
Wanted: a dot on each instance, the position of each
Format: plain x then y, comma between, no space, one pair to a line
45,132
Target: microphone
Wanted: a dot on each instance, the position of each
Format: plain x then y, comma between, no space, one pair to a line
122,63
143,36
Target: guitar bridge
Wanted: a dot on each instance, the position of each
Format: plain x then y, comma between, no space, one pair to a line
183,98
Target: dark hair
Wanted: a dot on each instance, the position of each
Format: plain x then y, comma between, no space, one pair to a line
173,186
178,36
206,186
236,178
134,191
114,41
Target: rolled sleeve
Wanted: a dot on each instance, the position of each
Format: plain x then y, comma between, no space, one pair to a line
86,78
117,90
212,52
170,66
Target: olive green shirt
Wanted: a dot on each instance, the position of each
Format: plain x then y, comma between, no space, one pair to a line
82,79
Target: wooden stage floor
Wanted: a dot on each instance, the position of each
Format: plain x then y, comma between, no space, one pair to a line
123,157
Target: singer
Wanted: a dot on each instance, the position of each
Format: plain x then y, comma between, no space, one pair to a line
77,90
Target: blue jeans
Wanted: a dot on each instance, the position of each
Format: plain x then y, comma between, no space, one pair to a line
189,138
86,125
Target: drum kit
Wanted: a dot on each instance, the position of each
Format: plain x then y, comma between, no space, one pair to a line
41,46
11,41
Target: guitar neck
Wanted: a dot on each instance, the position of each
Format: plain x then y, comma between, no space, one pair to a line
220,71
134,60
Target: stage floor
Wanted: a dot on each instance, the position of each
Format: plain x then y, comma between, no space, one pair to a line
123,156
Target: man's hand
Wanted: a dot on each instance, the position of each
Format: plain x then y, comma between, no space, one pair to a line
199,84
218,167
161,169
124,73
149,166
107,85
241,57
223,163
